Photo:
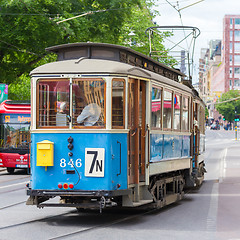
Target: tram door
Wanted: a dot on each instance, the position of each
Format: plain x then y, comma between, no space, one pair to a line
137,133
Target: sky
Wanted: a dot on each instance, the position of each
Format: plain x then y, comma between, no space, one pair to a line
206,15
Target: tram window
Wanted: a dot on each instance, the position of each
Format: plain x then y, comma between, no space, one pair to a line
167,109
88,103
201,119
185,114
156,107
53,103
177,112
118,89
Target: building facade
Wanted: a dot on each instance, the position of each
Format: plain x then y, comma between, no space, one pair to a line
231,52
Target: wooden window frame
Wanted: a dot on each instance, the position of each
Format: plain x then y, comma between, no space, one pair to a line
124,96
104,114
38,102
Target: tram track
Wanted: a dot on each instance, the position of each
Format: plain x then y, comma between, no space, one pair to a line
12,180
85,230
12,205
100,226
30,221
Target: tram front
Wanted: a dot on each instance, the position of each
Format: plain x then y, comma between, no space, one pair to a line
79,138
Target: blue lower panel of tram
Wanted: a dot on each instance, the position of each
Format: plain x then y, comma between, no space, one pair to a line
98,161
167,147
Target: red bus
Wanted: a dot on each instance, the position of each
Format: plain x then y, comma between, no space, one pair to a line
15,118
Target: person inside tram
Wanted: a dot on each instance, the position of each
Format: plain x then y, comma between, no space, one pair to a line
89,115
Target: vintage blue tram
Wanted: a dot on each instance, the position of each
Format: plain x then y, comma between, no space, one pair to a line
112,127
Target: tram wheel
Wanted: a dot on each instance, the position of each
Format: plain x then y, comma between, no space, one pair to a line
10,170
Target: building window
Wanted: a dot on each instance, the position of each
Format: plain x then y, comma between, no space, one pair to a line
236,83
231,35
230,83
237,21
236,70
230,47
236,35
237,59
237,47
231,21
230,59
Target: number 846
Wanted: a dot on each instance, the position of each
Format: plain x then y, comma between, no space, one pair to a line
64,163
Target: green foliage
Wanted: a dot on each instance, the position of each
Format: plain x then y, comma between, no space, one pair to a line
20,90
206,113
227,109
27,27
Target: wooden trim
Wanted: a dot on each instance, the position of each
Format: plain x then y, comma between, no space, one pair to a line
136,136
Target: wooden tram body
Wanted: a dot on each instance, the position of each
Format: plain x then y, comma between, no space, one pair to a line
144,140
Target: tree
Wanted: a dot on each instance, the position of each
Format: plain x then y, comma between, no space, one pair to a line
227,104
33,27
206,113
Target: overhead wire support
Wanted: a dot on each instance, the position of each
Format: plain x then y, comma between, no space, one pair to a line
177,44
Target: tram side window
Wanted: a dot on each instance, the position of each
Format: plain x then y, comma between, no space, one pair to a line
53,103
201,121
177,112
88,103
167,109
118,116
156,107
185,114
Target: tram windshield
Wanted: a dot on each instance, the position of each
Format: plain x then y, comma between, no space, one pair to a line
86,109
14,137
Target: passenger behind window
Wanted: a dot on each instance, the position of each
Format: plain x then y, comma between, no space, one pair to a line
89,115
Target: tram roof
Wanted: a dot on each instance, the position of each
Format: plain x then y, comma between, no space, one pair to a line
97,66
115,53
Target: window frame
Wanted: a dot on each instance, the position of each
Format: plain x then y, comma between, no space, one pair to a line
124,102
161,111
171,124
173,110
38,102
104,113
189,113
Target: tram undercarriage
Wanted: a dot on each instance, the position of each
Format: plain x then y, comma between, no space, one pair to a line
162,191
